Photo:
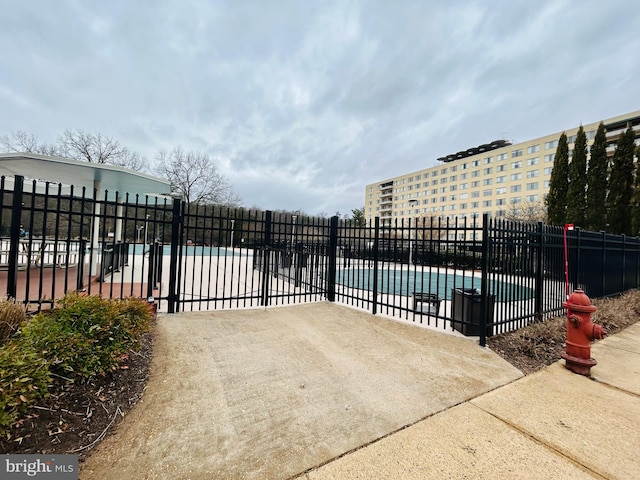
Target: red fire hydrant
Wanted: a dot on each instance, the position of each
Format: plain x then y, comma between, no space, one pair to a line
580,333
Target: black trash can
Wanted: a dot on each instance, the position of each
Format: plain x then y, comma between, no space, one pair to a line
466,306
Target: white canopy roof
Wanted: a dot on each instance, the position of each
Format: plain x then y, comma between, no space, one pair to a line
82,174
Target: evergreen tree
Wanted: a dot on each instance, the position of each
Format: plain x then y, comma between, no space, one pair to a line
635,200
576,193
597,175
558,184
621,185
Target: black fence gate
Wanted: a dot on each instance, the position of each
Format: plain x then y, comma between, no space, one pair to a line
478,278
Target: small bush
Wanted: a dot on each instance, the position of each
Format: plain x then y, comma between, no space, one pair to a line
12,315
24,379
88,335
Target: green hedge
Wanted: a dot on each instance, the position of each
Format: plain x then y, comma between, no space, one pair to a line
83,336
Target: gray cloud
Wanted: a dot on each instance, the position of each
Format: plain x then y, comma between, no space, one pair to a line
304,103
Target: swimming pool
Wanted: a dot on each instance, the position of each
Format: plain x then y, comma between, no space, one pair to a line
402,282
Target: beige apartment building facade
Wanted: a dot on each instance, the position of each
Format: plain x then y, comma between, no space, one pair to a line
499,178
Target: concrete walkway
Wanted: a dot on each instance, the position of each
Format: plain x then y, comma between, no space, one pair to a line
552,424
322,391
274,393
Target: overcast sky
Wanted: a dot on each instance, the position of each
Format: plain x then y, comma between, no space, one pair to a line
302,103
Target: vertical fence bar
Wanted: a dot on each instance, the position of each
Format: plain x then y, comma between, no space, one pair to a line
264,298
14,242
539,274
333,259
376,250
176,224
484,283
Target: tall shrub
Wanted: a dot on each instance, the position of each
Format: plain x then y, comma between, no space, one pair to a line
597,182
558,184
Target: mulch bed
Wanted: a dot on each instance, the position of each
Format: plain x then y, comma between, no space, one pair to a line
79,413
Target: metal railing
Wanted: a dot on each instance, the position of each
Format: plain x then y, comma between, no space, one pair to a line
478,278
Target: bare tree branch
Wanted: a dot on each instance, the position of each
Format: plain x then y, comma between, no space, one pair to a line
194,176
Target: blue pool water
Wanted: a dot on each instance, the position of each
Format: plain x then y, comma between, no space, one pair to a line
406,282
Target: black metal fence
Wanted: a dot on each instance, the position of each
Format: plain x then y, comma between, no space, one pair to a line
478,278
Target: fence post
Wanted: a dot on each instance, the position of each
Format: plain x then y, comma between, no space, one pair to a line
333,259
539,274
14,245
624,260
176,226
376,247
264,298
484,282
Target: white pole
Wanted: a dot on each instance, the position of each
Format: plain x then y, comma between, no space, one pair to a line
232,225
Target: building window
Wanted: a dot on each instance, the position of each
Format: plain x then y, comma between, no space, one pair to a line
533,148
487,181
475,184
516,153
571,139
443,180
533,173
443,189
464,176
434,182
486,203
548,157
463,186
547,171
464,196
515,165
532,186
501,201
454,168
487,193
515,200
488,171
501,190
501,179
488,160
532,198
475,204
452,188
516,188
501,168
502,156
533,161
475,163
475,173
434,191
552,144
475,194
516,176
463,206
453,178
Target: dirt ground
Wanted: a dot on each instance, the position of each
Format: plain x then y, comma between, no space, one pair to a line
78,415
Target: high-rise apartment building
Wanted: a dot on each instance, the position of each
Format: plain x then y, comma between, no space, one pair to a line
497,178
